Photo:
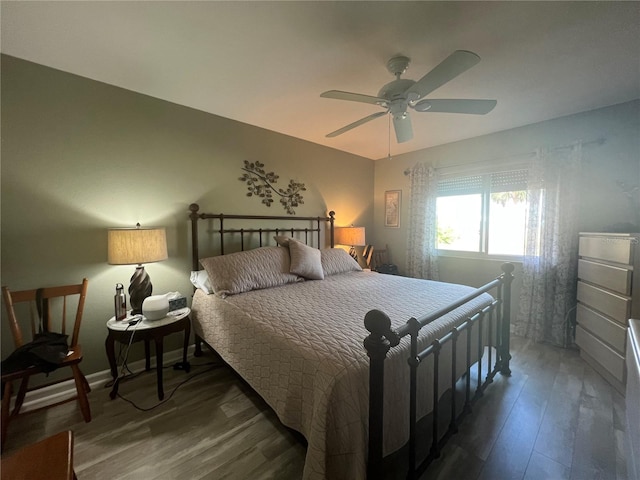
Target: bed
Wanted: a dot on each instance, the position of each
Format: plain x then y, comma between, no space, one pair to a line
353,360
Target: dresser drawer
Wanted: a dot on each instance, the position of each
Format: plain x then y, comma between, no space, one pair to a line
608,359
608,331
611,249
615,306
607,276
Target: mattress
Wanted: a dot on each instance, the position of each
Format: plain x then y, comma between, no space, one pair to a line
300,346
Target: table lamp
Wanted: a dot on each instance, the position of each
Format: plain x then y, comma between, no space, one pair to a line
135,246
352,236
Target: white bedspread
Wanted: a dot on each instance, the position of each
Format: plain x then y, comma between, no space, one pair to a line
300,346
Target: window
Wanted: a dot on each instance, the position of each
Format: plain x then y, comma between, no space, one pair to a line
483,214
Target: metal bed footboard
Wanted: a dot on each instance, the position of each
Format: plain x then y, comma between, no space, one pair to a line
382,338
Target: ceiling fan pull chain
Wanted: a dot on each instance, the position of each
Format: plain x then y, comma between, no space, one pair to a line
389,135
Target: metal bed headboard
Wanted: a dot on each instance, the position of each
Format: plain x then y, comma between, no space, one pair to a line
314,228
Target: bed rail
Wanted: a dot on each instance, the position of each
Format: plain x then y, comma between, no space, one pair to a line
382,339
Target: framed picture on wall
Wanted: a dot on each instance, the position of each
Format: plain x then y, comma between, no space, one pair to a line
392,199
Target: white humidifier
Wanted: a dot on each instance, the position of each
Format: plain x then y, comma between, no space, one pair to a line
155,307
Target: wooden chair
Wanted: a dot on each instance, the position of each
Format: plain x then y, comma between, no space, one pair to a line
367,254
380,256
53,299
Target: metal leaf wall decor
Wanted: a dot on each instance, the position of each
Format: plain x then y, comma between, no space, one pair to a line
261,184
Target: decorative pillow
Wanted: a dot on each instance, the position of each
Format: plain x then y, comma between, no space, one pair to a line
200,279
336,260
282,240
305,260
250,270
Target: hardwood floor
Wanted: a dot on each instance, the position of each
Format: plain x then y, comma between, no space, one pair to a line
553,419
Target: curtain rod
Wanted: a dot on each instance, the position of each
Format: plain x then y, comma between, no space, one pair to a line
598,141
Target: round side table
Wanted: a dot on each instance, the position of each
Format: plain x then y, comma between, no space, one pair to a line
146,330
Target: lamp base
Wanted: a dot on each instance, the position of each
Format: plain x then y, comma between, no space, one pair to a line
139,289
353,253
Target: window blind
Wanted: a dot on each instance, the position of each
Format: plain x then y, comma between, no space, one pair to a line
509,181
472,184
460,185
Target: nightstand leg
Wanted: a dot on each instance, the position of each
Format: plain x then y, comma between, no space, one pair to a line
109,345
147,356
111,356
187,335
159,367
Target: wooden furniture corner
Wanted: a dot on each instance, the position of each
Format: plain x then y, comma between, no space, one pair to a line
48,459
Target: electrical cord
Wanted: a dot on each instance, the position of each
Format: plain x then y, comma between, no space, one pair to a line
125,367
123,360
174,366
213,366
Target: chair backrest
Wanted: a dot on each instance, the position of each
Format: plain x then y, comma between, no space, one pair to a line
367,253
55,307
379,257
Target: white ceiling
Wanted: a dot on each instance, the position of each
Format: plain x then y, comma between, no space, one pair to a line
266,63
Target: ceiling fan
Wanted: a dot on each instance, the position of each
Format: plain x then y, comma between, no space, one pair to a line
400,94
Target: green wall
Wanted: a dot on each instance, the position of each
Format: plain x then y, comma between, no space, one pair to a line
80,156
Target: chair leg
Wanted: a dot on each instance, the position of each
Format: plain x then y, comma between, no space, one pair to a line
87,387
7,388
22,392
83,400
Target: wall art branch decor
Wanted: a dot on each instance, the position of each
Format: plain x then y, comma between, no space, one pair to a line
260,183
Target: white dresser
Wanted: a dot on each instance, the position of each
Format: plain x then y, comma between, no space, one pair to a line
608,295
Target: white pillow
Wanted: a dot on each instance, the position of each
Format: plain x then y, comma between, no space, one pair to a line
200,279
239,272
305,260
336,260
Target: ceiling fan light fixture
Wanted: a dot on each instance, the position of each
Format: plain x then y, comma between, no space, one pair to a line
413,97
422,106
402,127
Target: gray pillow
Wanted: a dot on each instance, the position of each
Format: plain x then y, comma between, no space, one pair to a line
336,260
305,260
239,272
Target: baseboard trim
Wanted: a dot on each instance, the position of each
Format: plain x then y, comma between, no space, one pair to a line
65,390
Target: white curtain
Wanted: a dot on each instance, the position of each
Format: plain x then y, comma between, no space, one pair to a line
421,251
550,264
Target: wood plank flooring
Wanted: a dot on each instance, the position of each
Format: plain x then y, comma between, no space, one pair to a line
553,419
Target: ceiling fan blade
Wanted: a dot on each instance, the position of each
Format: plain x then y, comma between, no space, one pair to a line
402,127
354,97
452,66
474,107
355,124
